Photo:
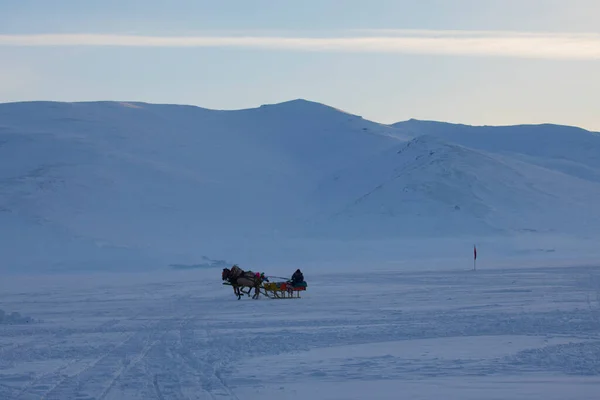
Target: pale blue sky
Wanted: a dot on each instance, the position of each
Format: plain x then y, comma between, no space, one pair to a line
468,61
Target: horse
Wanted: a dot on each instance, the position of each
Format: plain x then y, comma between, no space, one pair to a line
237,289
239,278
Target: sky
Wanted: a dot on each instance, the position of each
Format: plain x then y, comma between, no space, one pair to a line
481,62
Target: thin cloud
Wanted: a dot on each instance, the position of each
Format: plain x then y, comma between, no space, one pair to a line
583,46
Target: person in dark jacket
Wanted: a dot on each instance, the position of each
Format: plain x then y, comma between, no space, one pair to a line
298,278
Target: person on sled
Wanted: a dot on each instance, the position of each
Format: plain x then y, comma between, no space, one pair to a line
298,279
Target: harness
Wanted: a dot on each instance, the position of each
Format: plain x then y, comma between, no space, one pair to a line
236,273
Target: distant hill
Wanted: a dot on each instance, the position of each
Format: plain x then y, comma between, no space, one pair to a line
432,188
118,185
110,181
572,150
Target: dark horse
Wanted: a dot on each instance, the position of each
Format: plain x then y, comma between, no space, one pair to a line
239,278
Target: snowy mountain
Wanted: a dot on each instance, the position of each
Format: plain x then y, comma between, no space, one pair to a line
431,188
115,185
112,181
572,150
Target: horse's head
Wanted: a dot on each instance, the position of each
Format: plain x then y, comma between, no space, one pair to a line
225,274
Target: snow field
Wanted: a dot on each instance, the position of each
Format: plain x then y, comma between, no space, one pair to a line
528,333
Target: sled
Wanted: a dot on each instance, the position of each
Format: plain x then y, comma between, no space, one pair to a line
281,290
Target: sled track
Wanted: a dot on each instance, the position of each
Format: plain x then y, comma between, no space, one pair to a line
161,350
196,354
169,359
159,395
90,383
126,368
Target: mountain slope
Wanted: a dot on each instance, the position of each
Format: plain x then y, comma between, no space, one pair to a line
170,179
431,188
571,150
133,185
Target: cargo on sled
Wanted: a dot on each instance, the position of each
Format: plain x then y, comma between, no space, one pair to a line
283,290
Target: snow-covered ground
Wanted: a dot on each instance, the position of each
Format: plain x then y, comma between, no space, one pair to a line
522,333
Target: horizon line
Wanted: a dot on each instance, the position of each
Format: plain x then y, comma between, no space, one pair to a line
132,103
516,44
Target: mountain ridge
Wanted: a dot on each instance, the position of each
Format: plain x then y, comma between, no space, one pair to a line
465,125
293,102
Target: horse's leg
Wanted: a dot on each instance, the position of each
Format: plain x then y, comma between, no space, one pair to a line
241,289
243,284
257,284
